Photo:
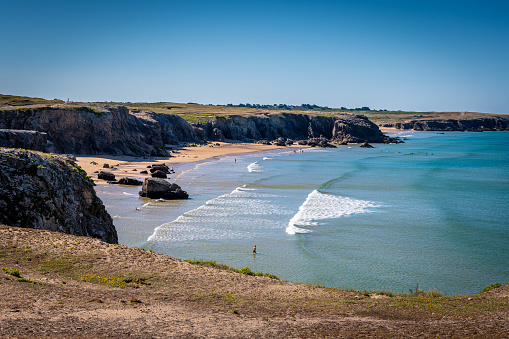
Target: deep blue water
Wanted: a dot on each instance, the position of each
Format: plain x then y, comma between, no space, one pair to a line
432,211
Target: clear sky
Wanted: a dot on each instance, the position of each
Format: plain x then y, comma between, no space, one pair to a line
418,55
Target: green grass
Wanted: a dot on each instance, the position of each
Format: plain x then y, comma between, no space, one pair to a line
492,286
12,271
14,100
244,270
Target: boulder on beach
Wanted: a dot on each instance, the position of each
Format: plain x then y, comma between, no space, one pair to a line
156,188
108,176
279,142
162,168
159,174
130,181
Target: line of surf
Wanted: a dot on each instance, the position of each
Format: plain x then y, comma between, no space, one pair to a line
321,206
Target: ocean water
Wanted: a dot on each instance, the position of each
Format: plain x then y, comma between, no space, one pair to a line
432,211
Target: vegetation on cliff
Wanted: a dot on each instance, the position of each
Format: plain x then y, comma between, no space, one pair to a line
45,191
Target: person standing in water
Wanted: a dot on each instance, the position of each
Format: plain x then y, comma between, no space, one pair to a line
254,249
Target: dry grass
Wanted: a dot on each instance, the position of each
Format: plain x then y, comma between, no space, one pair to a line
197,113
83,287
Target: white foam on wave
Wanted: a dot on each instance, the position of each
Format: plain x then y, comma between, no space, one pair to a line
127,193
212,220
254,167
321,206
266,158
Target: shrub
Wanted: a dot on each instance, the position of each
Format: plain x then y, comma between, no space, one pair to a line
24,280
492,286
12,271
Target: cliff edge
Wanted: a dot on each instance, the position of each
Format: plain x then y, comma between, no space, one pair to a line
120,131
49,192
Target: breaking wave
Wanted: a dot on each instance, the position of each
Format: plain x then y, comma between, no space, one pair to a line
254,167
321,206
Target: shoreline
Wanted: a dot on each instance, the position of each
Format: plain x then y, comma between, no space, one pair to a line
130,166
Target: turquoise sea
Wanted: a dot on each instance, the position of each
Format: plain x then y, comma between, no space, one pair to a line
432,211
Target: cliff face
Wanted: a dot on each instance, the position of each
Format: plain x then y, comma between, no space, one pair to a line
33,140
472,125
83,131
44,191
118,131
353,128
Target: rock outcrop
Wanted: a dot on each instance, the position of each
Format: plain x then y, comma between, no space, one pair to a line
281,127
33,140
45,191
83,130
108,176
156,188
86,131
471,125
129,181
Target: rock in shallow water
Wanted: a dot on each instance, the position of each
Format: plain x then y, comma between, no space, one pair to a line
156,188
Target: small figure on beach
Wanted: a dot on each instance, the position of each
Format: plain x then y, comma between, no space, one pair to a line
235,160
254,249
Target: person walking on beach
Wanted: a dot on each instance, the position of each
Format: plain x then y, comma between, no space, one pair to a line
254,249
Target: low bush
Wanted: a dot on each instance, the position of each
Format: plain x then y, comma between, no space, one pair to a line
12,271
492,286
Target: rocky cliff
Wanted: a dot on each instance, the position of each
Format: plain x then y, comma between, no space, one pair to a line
45,191
472,125
83,130
33,140
350,128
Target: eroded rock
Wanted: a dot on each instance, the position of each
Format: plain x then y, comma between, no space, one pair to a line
156,188
50,192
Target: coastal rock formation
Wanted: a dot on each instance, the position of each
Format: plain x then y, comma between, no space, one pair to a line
156,188
49,192
84,130
159,174
356,129
129,181
108,176
281,127
160,167
25,139
471,125
366,145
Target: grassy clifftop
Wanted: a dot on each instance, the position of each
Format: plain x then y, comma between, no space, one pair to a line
14,100
193,112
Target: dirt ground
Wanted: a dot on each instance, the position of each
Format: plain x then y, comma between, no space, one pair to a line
76,287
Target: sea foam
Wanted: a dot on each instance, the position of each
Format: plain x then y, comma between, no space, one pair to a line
321,206
218,218
254,167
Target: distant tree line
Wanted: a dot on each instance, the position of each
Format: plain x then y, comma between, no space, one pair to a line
284,107
303,107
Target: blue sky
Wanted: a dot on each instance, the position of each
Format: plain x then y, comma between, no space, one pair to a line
389,54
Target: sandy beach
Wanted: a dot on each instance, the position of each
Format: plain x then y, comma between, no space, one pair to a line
131,167
389,129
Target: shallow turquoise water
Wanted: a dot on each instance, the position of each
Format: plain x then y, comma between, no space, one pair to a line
431,211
